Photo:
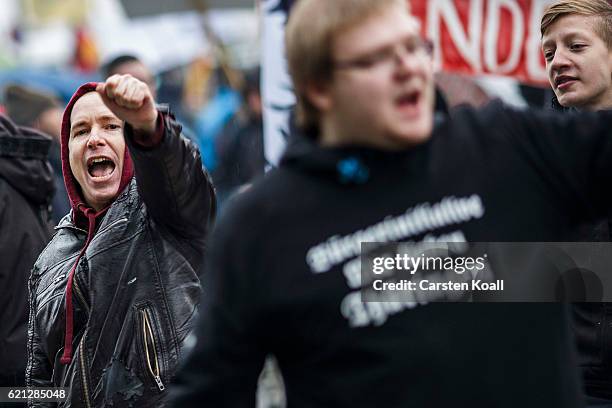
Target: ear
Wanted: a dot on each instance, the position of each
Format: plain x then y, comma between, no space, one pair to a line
319,95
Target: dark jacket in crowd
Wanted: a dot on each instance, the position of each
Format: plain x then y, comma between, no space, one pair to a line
26,188
284,276
240,150
593,321
128,273
25,106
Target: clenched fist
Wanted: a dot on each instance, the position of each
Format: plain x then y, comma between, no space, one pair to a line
131,101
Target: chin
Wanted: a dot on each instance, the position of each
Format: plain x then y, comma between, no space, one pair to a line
571,100
415,134
102,199
409,140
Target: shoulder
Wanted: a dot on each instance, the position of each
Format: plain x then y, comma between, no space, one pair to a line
258,206
493,112
52,266
497,122
7,195
275,189
63,245
19,217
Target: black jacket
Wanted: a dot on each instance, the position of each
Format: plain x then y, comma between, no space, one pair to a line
240,151
592,322
136,287
26,188
282,277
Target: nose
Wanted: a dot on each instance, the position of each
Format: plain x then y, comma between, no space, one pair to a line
560,60
407,63
95,139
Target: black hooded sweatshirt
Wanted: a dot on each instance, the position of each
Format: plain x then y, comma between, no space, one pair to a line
280,280
592,322
26,189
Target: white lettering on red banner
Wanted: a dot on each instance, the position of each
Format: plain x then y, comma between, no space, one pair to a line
499,37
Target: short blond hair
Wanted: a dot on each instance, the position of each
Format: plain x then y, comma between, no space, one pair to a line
601,10
309,34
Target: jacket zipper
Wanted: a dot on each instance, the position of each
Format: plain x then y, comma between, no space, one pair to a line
84,371
80,295
152,364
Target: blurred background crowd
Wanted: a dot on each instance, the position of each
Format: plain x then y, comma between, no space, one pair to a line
201,57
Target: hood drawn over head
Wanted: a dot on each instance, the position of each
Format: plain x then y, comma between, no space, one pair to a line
73,188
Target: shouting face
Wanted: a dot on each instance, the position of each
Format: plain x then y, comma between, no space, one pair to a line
96,150
578,63
382,90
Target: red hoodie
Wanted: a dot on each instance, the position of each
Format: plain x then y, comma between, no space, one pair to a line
83,215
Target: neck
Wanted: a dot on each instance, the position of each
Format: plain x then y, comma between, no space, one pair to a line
603,103
334,134
330,135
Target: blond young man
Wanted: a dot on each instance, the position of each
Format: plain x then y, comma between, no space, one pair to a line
284,274
577,45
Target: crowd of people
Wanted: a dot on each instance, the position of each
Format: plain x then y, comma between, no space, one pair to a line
122,284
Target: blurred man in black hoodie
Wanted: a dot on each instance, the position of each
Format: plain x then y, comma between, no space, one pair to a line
372,167
577,46
26,188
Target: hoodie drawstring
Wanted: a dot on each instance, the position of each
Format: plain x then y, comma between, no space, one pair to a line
67,356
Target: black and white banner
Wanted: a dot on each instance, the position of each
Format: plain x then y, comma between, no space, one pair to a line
277,90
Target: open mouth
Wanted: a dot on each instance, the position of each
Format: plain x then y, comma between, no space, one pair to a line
409,102
100,167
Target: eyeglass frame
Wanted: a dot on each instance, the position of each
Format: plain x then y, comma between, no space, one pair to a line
410,47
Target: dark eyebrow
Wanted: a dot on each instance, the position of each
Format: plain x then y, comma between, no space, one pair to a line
568,37
109,118
84,122
388,47
547,43
78,124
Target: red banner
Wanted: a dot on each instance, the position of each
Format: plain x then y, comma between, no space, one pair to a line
499,37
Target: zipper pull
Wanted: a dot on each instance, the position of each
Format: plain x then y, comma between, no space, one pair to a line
159,382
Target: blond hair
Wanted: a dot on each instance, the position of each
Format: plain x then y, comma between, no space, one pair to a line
309,34
600,10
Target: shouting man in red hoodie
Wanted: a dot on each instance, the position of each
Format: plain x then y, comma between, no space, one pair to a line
113,295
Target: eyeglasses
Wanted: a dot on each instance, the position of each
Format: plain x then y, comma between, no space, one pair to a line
413,47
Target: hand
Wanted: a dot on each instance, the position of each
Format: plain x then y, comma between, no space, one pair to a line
131,101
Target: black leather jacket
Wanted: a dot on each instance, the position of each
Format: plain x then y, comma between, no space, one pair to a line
135,290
